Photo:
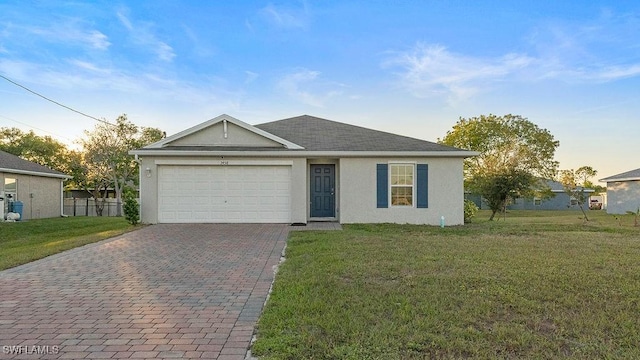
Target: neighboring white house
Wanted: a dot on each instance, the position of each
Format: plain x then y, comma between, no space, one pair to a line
623,192
38,188
298,170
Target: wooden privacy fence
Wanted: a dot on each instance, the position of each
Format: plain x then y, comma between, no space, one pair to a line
87,207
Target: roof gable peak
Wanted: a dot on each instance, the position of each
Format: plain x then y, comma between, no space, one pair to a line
227,124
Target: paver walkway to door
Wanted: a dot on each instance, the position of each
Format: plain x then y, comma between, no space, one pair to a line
165,291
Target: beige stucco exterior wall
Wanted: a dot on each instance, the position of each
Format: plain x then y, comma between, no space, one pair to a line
41,196
355,189
358,189
299,190
623,196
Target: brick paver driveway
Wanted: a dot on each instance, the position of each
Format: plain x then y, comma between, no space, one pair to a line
165,291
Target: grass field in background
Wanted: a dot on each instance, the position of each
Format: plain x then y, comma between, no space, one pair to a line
25,241
532,284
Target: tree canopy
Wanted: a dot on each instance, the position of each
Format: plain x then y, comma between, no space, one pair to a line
43,150
575,182
515,154
106,154
103,162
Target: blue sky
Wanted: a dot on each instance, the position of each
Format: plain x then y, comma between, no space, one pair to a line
409,67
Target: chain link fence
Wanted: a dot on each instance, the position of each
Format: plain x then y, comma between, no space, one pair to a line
88,207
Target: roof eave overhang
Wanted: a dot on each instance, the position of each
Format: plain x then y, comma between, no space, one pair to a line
35,173
584,190
620,179
304,153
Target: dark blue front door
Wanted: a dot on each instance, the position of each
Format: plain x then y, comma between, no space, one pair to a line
323,183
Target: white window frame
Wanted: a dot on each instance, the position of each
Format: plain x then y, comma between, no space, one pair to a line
412,186
537,201
14,194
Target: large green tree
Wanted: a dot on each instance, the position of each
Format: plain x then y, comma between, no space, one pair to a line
43,150
106,154
514,156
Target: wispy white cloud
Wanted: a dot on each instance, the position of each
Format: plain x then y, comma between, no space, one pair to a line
142,34
597,51
65,31
602,49
80,76
287,17
618,72
198,47
428,70
83,76
98,40
251,76
124,20
303,86
88,66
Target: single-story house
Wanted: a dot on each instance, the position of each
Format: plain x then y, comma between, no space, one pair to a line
559,200
37,187
623,192
298,170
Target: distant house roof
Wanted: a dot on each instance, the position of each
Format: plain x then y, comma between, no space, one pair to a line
316,134
10,163
557,187
625,176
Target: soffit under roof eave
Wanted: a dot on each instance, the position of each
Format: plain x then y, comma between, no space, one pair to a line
562,191
35,173
304,153
608,180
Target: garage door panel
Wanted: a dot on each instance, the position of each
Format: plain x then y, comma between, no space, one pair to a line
224,193
200,215
201,200
203,185
251,185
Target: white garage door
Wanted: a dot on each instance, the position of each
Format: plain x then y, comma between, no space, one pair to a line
224,194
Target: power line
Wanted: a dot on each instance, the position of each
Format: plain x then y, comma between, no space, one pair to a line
55,102
33,127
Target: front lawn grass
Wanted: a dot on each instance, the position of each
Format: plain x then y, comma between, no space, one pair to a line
533,285
25,241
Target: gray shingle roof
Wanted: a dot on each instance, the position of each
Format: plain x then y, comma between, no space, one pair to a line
11,162
629,175
316,134
557,186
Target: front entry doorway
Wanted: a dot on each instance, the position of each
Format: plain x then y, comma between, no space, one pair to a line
323,191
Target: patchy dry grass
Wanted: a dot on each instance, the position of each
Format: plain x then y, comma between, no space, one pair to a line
25,241
531,285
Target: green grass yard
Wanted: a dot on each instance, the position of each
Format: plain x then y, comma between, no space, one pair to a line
25,241
532,285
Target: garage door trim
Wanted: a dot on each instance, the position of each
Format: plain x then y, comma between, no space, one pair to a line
224,162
